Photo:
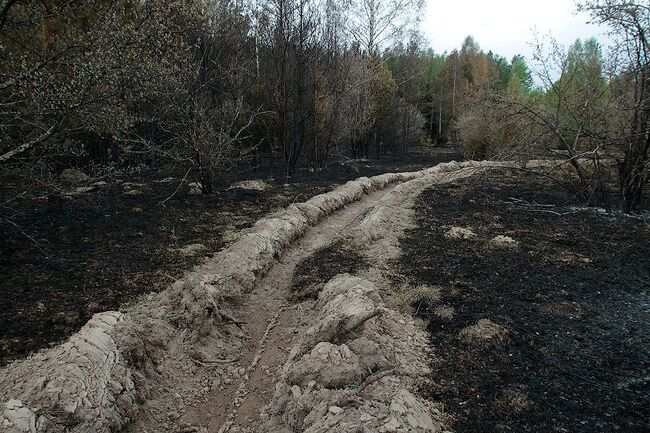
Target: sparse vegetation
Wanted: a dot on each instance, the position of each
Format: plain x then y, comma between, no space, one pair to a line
421,298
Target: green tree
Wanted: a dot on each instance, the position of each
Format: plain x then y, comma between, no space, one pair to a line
520,79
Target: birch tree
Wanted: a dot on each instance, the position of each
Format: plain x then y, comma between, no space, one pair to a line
373,24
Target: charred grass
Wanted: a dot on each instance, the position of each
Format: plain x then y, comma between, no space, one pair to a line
312,273
573,298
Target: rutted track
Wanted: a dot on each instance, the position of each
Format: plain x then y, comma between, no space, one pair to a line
272,322
220,335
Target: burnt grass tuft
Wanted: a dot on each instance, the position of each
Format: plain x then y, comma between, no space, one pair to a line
313,272
573,298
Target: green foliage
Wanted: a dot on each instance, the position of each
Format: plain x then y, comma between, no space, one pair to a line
500,71
520,79
580,96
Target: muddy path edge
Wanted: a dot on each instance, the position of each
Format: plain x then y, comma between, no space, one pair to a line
99,377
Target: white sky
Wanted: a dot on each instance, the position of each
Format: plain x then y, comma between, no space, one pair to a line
504,26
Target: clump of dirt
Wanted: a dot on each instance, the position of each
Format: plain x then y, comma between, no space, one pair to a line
355,369
252,184
573,297
504,242
311,274
459,233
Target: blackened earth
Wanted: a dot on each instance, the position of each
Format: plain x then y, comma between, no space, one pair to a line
574,298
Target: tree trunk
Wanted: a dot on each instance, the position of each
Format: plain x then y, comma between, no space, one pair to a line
633,180
205,168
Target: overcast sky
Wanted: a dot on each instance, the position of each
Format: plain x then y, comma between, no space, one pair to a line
504,26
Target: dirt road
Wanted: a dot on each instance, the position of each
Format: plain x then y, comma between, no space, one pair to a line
274,323
229,347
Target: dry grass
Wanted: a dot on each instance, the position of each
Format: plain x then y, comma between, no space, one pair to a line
408,299
445,312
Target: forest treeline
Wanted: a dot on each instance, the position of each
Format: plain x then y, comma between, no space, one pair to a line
218,87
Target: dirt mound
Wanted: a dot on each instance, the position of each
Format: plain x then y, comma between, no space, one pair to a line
504,242
85,384
73,176
354,369
459,233
254,184
482,332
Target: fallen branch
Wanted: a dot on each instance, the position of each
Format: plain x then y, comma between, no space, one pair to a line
375,377
178,187
26,146
213,362
36,244
553,212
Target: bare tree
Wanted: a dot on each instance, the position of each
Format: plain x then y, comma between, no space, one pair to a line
71,70
374,23
629,21
207,127
291,40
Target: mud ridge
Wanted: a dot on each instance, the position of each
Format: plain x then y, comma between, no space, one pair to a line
352,370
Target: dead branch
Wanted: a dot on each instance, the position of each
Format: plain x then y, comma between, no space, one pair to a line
211,363
26,146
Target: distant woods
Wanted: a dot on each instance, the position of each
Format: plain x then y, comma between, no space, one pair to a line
221,87
591,108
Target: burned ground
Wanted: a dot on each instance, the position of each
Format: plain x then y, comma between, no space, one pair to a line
64,258
572,297
312,273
